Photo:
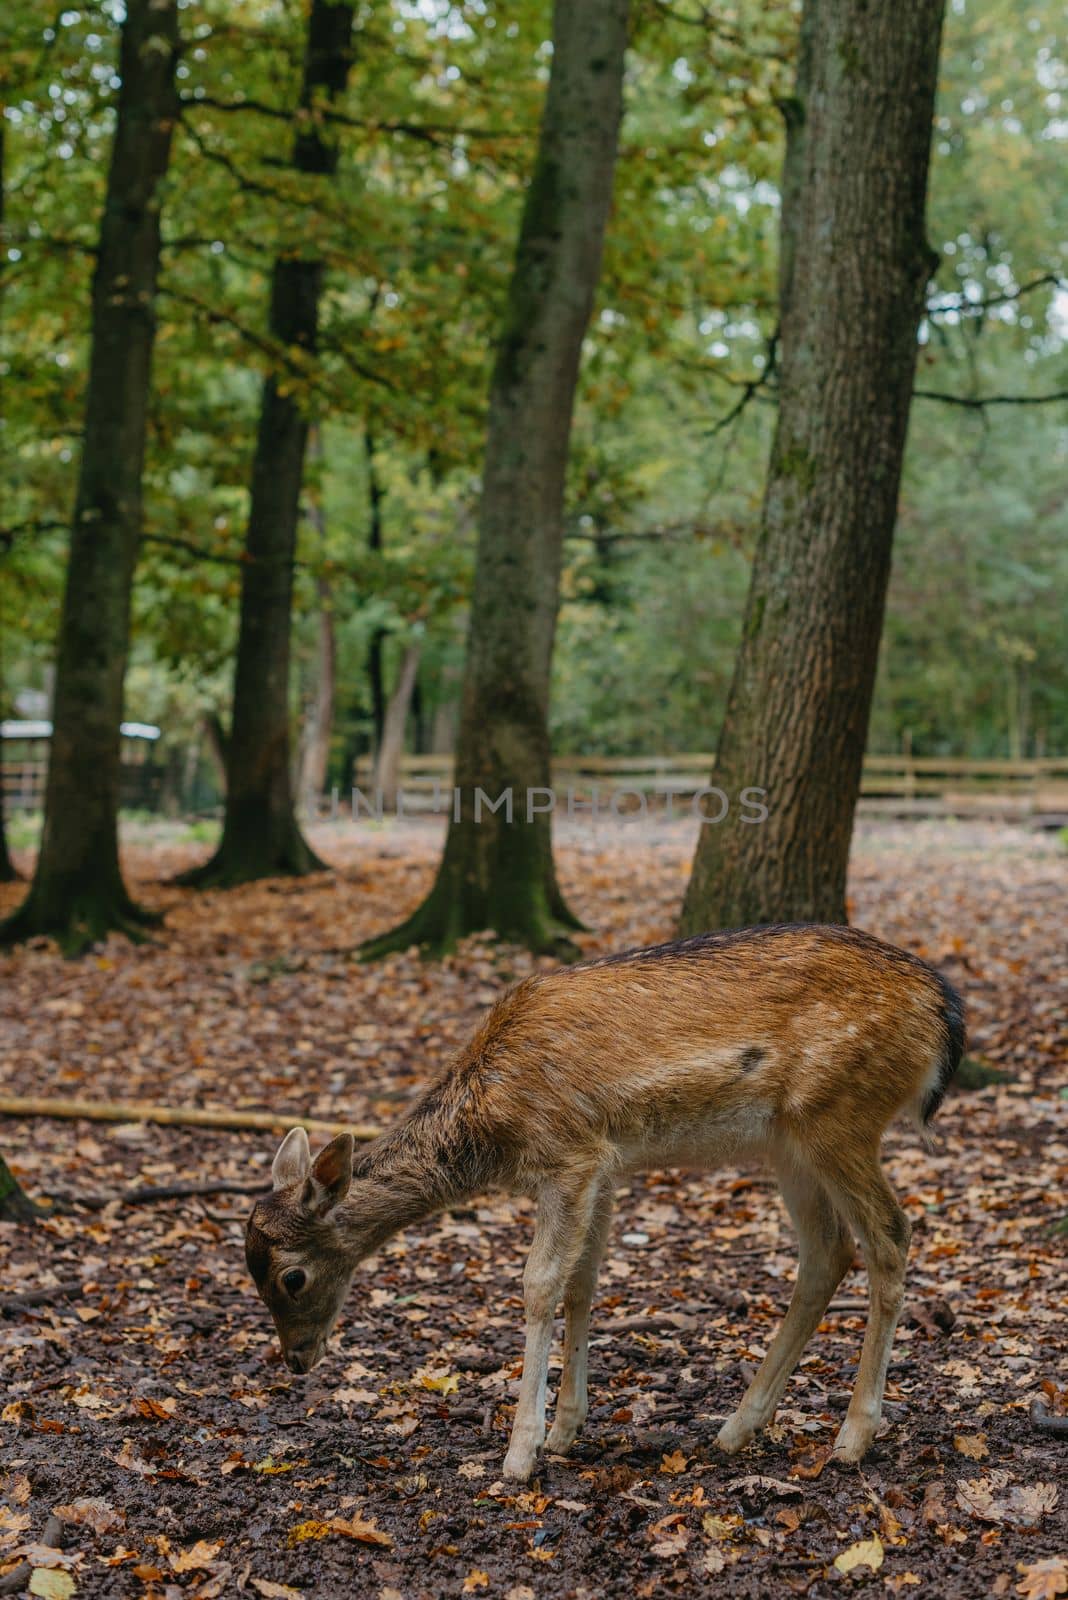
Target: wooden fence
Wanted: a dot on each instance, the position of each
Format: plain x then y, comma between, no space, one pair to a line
891,785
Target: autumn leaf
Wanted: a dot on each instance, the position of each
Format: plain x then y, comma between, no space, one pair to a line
92,1512
198,1556
865,1553
1043,1580
51,1585
972,1445
344,1527
475,1580
674,1463
157,1410
275,1591
438,1382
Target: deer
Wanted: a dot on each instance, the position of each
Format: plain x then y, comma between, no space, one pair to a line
794,1046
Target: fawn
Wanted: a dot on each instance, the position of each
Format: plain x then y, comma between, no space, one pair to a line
793,1044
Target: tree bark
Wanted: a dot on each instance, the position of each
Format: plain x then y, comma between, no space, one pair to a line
391,749
7,866
375,496
261,837
319,720
855,267
497,873
15,1204
78,893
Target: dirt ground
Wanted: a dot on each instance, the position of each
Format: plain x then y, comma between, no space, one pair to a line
144,1396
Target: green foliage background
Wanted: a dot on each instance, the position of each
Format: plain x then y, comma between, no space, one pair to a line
437,133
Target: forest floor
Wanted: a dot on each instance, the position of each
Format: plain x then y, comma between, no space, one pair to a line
151,1406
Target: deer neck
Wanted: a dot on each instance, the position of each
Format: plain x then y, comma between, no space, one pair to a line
429,1162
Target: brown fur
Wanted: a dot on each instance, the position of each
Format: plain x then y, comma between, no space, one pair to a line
795,1045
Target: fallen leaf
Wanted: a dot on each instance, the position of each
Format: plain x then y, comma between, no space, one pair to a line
49,1584
972,1445
475,1580
275,1591
1043,1580
198,1557
674,1463
92,1512
865,1553
357,1528
757,1481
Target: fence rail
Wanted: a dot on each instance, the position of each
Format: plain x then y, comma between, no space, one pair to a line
894,785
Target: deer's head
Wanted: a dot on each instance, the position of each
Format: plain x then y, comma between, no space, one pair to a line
296,1250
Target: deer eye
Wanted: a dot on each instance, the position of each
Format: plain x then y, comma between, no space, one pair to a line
294,1281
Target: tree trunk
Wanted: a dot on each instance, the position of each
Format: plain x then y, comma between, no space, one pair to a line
855,266
497,872
375,495
319,720
261,837
318,730
7,866
15,1204
78,893
391,749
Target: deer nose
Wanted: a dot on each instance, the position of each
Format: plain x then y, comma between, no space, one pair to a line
299,1357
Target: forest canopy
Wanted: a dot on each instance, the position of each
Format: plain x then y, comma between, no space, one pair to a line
435,135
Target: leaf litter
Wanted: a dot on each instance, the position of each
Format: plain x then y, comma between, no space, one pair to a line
152,1416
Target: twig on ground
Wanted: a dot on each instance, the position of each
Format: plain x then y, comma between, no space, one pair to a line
12,1304
175,1116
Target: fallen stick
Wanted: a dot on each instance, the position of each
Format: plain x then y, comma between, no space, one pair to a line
150,1197
175,1116
12,1304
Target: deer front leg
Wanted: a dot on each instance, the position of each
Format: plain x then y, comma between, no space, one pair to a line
571,1398
565,1211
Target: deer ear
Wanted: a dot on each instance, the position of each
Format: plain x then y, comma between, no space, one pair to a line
293,1161
331,1175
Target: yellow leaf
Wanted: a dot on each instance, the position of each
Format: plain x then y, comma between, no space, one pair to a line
274,1591
674,1463
865,1553
52,1585
475,1580
439,1382
972,1445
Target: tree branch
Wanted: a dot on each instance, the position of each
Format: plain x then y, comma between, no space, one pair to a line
979,401
962,306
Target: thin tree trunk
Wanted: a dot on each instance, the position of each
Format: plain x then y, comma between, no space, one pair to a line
261,837
78,893
7,866
15,1204
498,873
391,749
319,723
375,495
855,266
315,755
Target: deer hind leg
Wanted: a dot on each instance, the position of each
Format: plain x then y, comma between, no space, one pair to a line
865,1198
565,1213
571,1398
825,1255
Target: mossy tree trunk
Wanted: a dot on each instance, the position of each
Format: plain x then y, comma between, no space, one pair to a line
261,837
78,893
497,872
856,262
15,1204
